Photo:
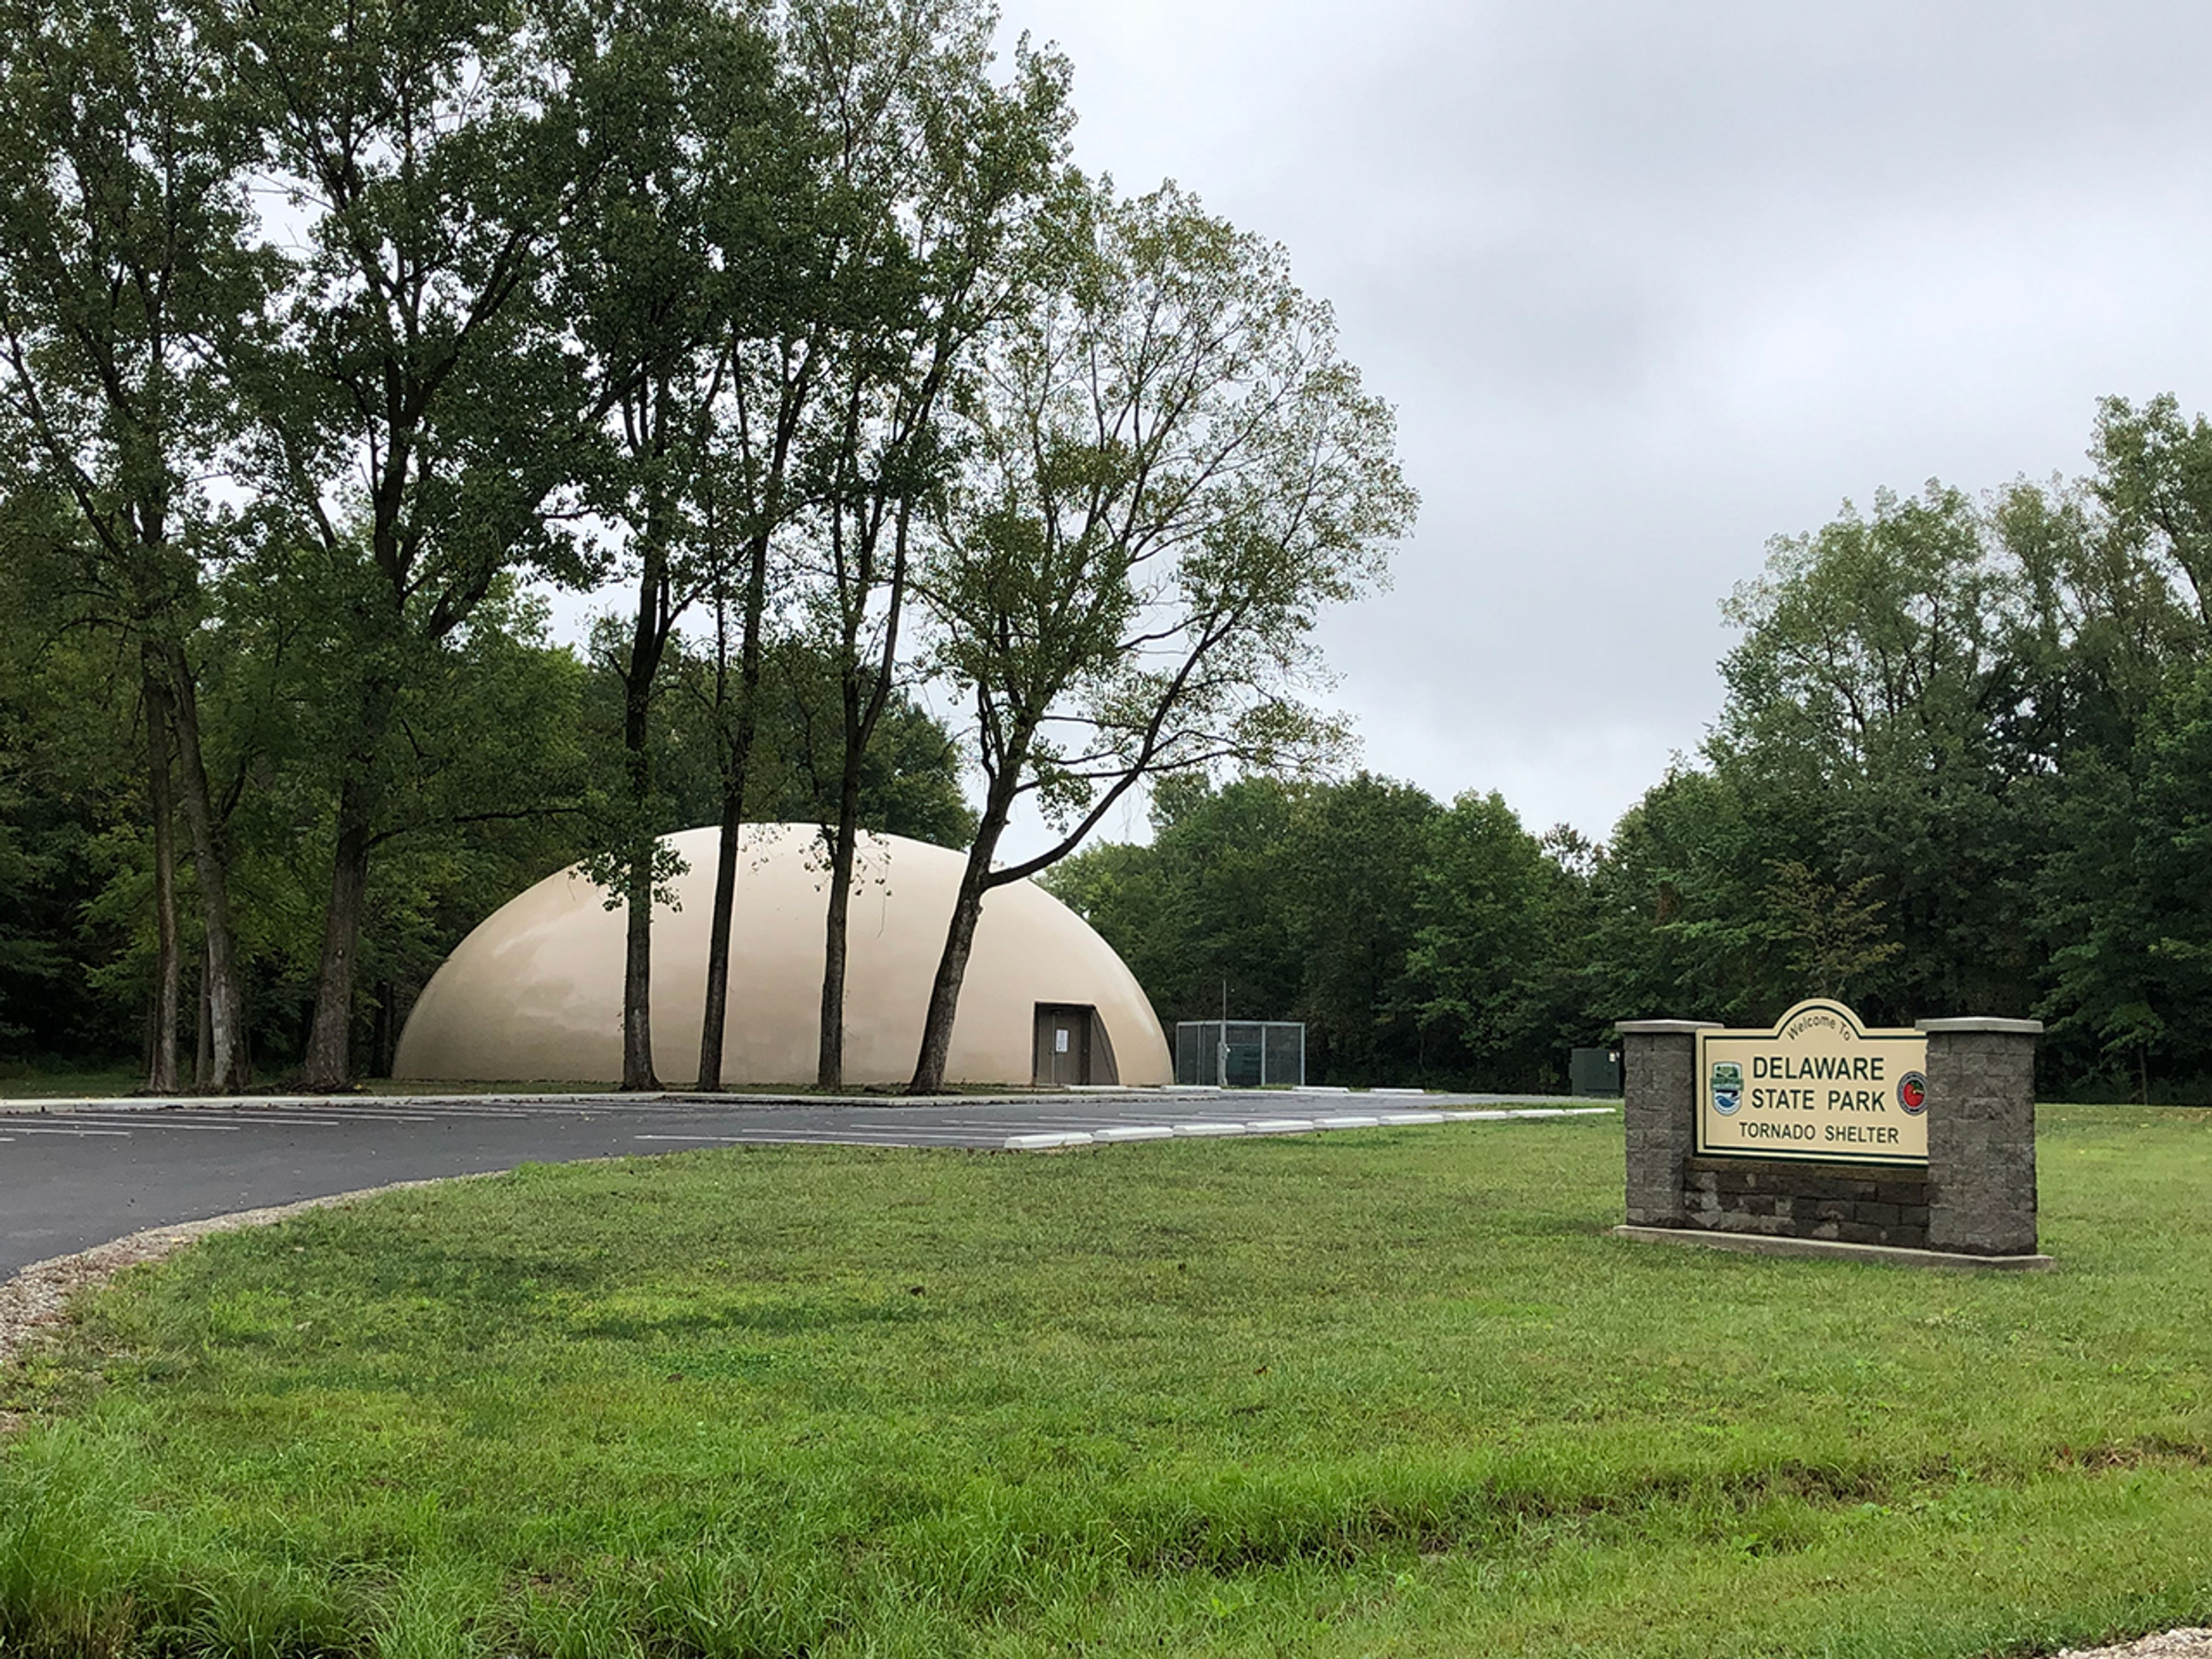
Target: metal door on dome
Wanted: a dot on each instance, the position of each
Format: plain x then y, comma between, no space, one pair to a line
1063,1044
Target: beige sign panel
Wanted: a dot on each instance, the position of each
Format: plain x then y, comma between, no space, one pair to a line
1819,1085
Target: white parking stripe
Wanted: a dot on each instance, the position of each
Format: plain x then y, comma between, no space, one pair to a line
146,1123
26,1129
519,1116
191,1129
288,1121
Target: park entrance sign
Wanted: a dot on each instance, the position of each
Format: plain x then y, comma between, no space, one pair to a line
1820,1086
1820,1137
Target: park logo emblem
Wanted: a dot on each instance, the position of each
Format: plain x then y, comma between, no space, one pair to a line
1912,1092
1728,1087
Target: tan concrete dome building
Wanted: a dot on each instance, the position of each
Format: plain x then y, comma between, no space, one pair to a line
536,991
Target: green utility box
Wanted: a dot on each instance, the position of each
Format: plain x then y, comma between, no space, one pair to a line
1594,1072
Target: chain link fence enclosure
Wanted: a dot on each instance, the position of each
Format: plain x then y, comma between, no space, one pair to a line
1241,1054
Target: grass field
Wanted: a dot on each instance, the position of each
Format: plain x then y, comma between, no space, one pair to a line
19,1082
1372,1393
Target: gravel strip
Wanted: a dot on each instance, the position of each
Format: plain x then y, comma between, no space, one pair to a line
2194,1643
36,1300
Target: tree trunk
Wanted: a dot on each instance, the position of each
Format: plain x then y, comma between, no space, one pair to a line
715,1016
329,1064
736,767
637,1072
649,631
959,938
844,841
385,1040
226,1069
861,713
951,968
829,1060
169,964
637,976
203,1050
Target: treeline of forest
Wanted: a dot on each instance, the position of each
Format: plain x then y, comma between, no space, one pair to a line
514,768
333,336
1964,766
332,332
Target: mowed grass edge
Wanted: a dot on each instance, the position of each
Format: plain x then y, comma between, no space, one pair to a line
1377,1392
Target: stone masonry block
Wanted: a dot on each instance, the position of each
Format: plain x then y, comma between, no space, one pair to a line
1981,1136
1659,1085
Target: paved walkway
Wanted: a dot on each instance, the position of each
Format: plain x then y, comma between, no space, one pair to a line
74,1174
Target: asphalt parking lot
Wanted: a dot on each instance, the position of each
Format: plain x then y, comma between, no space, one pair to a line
78,1173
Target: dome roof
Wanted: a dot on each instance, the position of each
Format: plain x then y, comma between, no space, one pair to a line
536,991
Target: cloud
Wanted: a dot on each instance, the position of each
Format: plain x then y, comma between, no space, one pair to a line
1649,284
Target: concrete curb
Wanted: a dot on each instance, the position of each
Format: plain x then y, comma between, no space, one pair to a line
1285,1126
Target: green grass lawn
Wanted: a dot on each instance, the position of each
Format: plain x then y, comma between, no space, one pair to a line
1371,1393
20,1082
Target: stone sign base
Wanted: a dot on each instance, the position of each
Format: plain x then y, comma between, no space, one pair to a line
1972,1199
1774,1244
1845,1203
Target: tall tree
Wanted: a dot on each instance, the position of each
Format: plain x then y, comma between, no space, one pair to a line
944,175
122,262
662,275
423,401
1485,909
1868,733
1169,470
2124,568
1354,855
822,236
2154,478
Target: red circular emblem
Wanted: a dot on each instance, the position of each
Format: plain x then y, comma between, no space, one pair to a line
1912,1092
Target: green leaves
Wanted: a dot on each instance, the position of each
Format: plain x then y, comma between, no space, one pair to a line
1417,942
1167,470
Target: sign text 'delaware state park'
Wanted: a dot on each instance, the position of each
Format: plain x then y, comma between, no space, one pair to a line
1819,1085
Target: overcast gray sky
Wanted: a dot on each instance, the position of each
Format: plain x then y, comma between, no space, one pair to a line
1649,284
